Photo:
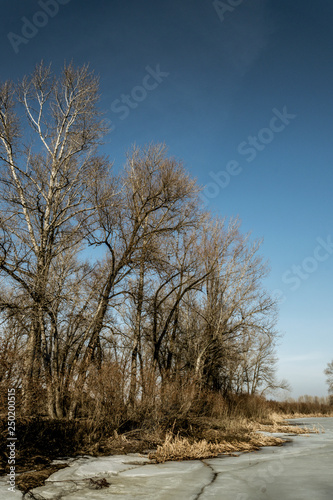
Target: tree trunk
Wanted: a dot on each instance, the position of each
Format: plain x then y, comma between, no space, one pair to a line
28,378
136,338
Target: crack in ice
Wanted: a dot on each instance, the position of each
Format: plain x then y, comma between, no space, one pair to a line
214,476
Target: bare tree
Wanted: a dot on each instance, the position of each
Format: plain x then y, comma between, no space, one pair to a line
150,202
43,187
329,374
254,370
232,304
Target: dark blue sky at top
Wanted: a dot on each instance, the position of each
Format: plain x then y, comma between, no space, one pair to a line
222,80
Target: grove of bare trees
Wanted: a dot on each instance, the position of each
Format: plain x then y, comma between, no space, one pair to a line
116,284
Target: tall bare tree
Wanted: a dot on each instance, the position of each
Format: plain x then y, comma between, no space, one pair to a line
43,187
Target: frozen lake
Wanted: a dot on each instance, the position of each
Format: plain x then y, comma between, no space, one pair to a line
300,470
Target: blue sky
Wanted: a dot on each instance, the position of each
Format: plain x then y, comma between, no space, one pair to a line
208,78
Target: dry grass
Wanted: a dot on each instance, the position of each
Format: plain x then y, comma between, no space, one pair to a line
307,415
225,437
278,423
285,428
179,448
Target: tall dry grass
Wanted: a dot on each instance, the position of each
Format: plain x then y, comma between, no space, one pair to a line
180,448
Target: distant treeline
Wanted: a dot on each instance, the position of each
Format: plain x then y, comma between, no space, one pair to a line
305,405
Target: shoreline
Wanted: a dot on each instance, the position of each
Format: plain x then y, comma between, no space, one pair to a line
35,470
